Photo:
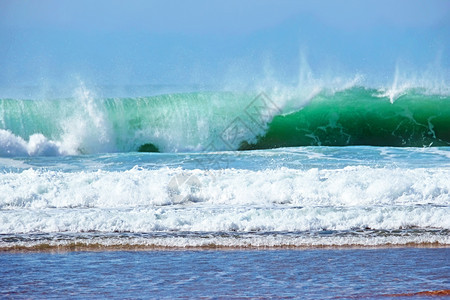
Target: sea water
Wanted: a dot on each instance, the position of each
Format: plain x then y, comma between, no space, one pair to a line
308,196
352,167
301,274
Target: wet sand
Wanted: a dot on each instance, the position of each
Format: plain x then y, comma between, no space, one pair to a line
74,247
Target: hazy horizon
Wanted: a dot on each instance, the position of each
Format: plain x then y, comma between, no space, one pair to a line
211,43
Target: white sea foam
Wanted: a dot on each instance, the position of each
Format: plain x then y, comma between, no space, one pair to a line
142,200
350,186
242,240
12,145
219,219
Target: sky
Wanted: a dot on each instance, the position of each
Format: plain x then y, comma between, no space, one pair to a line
199,42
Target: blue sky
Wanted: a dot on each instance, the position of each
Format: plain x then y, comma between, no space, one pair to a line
214,42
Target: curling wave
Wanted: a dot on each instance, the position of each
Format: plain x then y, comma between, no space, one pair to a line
209,121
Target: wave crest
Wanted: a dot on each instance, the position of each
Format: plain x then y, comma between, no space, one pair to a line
211,121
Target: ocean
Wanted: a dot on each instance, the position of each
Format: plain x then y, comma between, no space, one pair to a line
279,190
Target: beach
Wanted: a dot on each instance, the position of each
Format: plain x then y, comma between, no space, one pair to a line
225,149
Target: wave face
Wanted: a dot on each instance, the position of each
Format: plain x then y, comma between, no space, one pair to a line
208,121
361,116
83,125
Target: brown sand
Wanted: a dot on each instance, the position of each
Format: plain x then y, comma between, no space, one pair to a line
72,247
424,293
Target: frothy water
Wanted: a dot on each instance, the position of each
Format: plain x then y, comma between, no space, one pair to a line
283,197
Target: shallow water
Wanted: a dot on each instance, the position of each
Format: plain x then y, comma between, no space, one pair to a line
307,274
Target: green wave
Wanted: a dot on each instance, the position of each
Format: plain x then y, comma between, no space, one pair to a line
203,121
166,123
359,116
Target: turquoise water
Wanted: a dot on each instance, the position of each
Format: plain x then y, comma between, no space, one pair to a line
223,121
305,274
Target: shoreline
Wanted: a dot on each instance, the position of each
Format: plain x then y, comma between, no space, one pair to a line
82,247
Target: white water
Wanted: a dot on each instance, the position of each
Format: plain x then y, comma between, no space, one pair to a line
139,200
351,186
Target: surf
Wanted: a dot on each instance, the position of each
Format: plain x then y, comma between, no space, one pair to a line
222,121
